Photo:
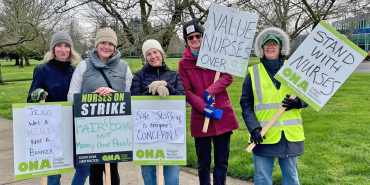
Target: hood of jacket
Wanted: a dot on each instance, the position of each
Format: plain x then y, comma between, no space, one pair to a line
284,38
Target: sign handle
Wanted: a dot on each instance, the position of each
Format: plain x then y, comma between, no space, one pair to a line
44,180
107,174
206,120
270,123
160,175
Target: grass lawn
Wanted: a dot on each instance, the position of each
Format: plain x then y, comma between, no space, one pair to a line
337,138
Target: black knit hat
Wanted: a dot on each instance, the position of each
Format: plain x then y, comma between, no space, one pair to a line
191,27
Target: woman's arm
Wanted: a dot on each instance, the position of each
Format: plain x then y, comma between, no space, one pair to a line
76,83
178,89
38,76
221,84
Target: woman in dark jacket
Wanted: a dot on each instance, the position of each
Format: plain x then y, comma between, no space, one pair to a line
156,78
55,75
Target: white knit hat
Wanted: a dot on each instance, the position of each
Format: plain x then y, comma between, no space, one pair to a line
105,34
152,44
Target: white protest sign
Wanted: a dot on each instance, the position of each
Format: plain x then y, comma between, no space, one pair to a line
43,131
158,126
43,139
168,111
320,65
227,40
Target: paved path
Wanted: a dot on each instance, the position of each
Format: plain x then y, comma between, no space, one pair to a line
364,67
129,174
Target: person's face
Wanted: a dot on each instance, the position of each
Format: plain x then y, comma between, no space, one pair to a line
62,51
271,49
194,40
105,49
154,57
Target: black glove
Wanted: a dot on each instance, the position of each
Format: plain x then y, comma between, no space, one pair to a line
256,137
291,103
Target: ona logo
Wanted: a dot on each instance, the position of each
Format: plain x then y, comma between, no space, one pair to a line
293,77
111,157
34,165
150,154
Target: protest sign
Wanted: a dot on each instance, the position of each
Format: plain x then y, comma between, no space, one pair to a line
159,130
103,128
158,126
42,136
320,65
43,131
227,40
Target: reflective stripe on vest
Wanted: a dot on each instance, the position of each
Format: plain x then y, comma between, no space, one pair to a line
267,101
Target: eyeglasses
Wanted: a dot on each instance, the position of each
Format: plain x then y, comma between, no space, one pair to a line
198,36
272,45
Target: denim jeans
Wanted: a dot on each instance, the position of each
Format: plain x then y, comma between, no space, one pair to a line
221,146
96,174
263,167
170,173
54,179
81,174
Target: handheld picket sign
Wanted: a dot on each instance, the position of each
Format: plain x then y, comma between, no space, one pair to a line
234,30
319,66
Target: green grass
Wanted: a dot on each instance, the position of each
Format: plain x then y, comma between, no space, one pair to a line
10,72
337,138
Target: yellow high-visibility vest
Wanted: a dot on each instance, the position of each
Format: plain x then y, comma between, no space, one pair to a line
267,101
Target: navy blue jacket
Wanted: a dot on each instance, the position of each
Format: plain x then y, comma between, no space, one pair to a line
54,77
148,74
283,148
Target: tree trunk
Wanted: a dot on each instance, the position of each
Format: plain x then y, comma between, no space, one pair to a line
21,64
17,60
27,61
1,78
6,58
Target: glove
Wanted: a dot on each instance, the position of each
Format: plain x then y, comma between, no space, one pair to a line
38,95
213,113
291,103
163,91
256,137
154,85
208,98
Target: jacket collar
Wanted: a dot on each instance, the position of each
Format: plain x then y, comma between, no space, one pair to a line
188,56
161,68
95,60
273,64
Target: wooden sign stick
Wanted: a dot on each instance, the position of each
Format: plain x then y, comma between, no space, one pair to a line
270,123
160,175
107,174
217,76
44,180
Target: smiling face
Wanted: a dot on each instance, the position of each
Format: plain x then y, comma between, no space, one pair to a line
194,40
62,51
154,57
271,49
105,50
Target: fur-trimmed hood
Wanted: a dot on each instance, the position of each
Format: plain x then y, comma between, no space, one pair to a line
284,38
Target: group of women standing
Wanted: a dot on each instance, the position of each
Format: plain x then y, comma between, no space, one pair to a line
104,72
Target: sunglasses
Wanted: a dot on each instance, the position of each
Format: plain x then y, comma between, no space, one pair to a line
198,36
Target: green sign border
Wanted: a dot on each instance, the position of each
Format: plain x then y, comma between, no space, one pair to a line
348,42
159,162
43,173
297,92
182,97
22,105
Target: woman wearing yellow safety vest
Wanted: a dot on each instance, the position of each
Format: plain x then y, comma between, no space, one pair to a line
261,98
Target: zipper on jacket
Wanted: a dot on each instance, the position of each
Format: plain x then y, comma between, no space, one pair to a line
158,73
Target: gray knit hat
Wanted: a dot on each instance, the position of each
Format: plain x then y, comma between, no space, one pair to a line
152,44
279,33
60,37
105,34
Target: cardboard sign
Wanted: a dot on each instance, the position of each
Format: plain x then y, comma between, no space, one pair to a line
103,128
159,126
42,136
157,148
320,65
227,40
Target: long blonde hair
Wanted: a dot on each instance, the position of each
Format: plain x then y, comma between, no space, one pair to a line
74,57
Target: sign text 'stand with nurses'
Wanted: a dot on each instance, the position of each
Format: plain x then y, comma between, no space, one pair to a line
320,65
103,128
43,138
227,40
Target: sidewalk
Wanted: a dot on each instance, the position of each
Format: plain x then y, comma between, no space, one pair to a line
129,174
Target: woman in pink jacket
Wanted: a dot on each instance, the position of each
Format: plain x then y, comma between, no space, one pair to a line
199,89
